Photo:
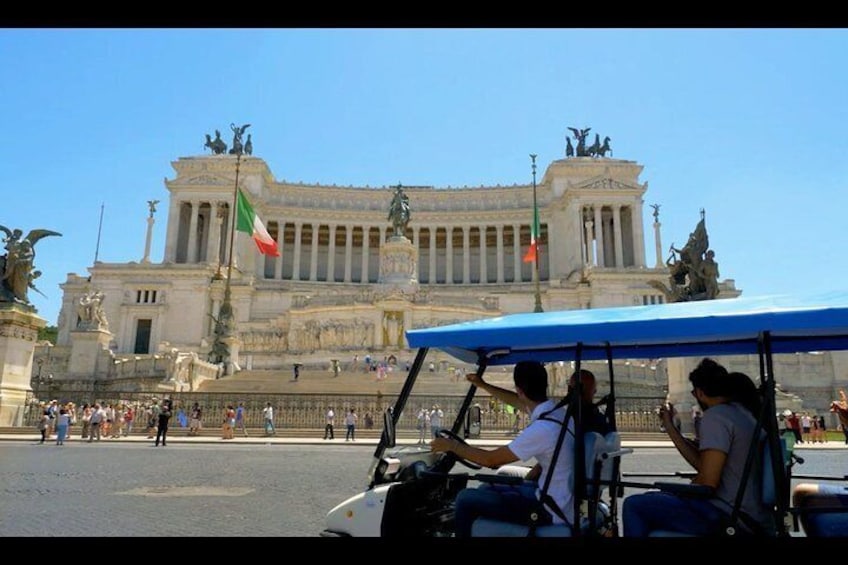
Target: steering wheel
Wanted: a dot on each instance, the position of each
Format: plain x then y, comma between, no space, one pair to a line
449,458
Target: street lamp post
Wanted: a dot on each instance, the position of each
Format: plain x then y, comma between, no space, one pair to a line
538,234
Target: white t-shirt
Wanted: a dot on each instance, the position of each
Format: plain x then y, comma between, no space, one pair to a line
97,416
331,417
538,441
268,412
436,417
351,418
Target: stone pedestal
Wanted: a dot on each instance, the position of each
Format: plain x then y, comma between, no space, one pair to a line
19,327
231,365
86,346
398,286
399,265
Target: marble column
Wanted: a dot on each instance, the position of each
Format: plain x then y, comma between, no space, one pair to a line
499,231
298,232
215,236
638,235
148,239
366,243
281,240
619,249
658,245
172,231
516,252
484,267
313,265
599,235
348,252
449,255
466,255
590,252
192,233
431,276
331,255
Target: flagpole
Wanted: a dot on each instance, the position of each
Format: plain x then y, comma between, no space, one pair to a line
537,227
99,229
233,225
225,322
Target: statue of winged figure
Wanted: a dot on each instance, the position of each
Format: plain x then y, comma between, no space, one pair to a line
238,133
580,135
151,205
16,266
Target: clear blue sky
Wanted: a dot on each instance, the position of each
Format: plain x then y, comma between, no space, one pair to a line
748,124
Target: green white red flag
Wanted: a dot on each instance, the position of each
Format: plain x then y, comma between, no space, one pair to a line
533,252
248,222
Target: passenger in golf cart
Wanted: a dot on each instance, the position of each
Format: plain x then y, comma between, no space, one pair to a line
548,498
728,430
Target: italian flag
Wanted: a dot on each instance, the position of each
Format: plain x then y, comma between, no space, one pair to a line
248,222
532,252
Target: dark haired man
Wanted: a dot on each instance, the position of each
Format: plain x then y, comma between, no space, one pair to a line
163,419
537,441
719,457
594,420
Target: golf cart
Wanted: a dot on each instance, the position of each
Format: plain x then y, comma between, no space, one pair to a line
411,491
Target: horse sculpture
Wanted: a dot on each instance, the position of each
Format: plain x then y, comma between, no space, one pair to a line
217,145
605,148
592,150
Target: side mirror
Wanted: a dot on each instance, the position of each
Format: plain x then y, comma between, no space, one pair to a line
389,427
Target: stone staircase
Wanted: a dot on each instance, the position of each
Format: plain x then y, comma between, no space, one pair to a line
348,382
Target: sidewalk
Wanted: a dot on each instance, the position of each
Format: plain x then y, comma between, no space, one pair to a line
283,440
273,440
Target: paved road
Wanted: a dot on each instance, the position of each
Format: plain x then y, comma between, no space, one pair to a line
130,488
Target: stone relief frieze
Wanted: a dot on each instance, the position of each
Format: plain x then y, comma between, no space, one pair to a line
609,184
18,332
266,341
315,335
207,180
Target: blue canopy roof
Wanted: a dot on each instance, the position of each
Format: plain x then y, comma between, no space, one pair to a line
684,329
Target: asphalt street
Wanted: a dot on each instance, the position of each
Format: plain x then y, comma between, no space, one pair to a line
132,489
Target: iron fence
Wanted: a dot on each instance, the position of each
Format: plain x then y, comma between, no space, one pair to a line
308,411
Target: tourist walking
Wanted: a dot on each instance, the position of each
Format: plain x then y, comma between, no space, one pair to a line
229,422
329,432
86,421
436,415
164,420
194,419
97,416
423,424
268,417
129,418
350,424
43,426
63,421
240,417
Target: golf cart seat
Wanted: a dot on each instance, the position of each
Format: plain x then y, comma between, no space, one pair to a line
768,491
602,452
825,515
